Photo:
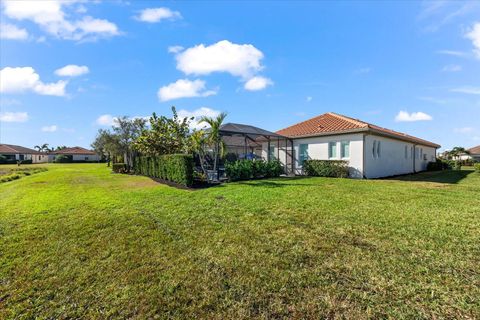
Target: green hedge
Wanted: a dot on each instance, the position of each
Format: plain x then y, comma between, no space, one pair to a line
63,159
477,167
119,168
326,168
252,169
440,165
177,168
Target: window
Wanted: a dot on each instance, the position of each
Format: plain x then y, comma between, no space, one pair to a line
303,153
406,152
421,153
411,152
271,152
345,149
378,149
86,158
374,149
332,149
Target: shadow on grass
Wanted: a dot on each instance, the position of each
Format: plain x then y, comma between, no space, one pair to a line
446,176
280,182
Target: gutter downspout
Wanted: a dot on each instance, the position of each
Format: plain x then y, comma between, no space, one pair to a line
414,156
364,157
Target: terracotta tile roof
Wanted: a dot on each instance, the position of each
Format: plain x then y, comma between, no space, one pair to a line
12,149
474,150
74,150
333,123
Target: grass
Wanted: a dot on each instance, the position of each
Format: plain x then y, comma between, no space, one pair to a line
10,173
79,242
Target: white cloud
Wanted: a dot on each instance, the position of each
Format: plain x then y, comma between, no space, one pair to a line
452,53
309,99
452,68
404,116
51,89
474,35
51,128
51,17
464,130
175,49
22,79
467,90
184,88
12,32
153,15
242,60
106,120
257,83
197,114
13,116
72,70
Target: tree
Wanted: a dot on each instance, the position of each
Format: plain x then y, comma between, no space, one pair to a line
43,148
165,135
106,144
456,152
58,148
127,131
197,145
213,137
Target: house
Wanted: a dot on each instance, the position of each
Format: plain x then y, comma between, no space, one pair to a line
474,153
14,153
371,151
76,154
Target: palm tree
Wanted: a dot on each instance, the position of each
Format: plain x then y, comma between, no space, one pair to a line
457,152
213,136
39,148
45,147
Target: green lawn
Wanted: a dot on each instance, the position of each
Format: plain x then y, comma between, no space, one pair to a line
79,242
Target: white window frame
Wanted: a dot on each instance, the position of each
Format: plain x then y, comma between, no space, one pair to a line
332,143
300,163
342,153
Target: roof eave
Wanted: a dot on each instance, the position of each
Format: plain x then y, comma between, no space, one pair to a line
330,133
407,139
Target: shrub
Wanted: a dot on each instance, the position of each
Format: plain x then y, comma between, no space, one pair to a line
439,165
5,160
63,159
477,167
326,168
252,169
177,168
10,177
457,165
119,168
26,161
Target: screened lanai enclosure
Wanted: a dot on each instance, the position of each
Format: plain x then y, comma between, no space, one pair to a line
253,143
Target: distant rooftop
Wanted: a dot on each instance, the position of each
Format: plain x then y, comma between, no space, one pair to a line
14,149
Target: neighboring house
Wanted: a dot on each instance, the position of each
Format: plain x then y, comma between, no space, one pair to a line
371,151
19,153
474,153
76,154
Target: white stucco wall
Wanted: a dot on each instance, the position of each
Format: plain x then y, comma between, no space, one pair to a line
77,157
85,157
318,150
39,158
391,160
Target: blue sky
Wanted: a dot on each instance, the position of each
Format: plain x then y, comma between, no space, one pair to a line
69,68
